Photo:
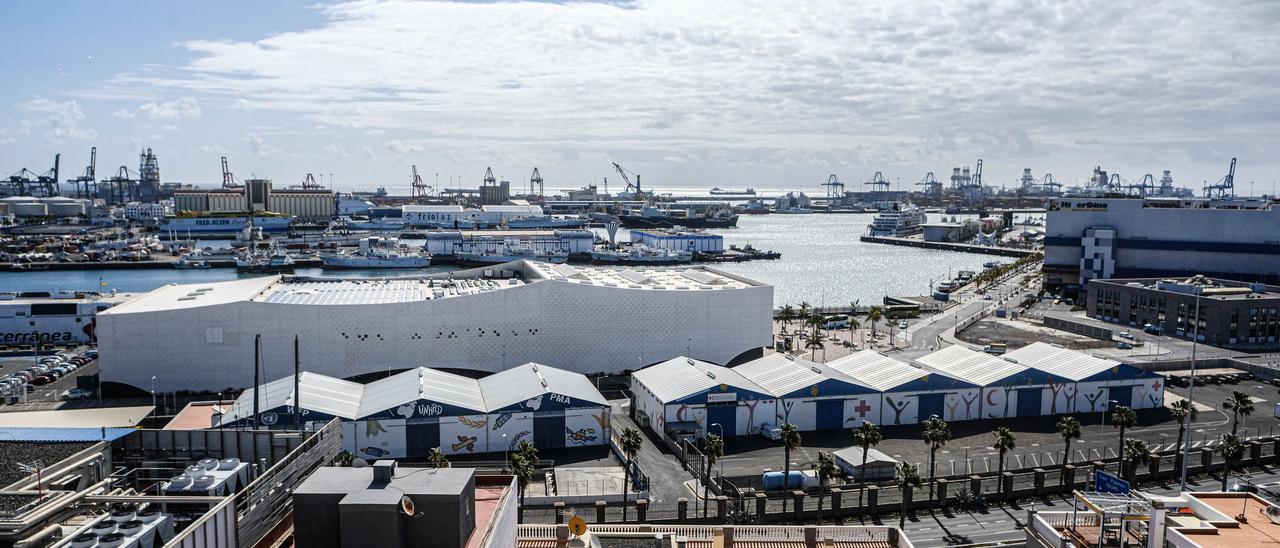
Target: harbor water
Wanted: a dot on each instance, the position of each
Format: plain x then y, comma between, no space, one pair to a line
823,262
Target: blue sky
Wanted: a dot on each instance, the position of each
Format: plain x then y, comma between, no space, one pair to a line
689,94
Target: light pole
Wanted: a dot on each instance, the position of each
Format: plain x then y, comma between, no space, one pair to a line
153,393
721,459
1186,421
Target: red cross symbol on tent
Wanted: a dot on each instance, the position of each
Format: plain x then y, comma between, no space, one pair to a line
1155,386
862,408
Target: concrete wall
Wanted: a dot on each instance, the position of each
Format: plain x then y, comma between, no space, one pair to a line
586,329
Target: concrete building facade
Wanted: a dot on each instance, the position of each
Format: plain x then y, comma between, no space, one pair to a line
1225,313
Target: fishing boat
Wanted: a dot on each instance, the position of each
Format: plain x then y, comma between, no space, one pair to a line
510,252
375,252
641,255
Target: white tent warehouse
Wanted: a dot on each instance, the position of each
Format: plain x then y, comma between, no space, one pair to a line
905,394
410,413
1008,389
687,391
1079,382
806,394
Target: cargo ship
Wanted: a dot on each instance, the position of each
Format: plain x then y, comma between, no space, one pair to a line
223,223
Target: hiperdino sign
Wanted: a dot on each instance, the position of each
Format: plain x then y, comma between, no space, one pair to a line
1077,205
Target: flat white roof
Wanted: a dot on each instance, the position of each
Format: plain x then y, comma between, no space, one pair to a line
379,291
178,297
876,370
1060,362
682,377
94,417
658,278
780,374
979,368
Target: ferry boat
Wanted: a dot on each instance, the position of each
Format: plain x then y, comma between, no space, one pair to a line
716,216
642,255
375,252
717,191
510,252
900,220
223,223
350,204
188,262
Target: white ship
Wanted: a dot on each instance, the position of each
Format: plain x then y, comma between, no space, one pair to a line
269,258
213,223
375,252
548,221
899,220
508,252
350,204
642,255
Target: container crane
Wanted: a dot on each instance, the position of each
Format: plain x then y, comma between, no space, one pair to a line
931,184
625,173
121,188
536,179
309,183
20,183
1225,187
86,185
835,188
878,185
228,178
420,189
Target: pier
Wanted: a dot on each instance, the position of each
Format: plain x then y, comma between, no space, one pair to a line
948,246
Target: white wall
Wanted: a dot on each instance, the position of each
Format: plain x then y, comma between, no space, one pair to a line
907,404
862,408
577,327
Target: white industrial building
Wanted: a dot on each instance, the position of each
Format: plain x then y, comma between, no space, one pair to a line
200,337
408,414
1007,389
1078,382
699,396
679,240
806,394
906,394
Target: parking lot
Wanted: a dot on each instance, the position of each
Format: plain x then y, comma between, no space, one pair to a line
43,396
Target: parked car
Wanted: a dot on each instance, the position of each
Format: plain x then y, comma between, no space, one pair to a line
1125,335
902,324
1124,345
42,379
76,394
771,432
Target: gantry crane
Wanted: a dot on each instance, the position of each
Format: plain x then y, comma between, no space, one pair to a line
536,179
86,185
835,188
309,183
419,188
228,178
121,188
1225,187
931,185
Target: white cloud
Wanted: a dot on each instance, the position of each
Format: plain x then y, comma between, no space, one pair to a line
62,122
855,85
186,108
260,147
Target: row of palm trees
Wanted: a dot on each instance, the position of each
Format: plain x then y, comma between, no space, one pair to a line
813,322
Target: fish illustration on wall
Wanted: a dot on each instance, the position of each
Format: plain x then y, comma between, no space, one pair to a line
582,436
465,442
473,422
376,452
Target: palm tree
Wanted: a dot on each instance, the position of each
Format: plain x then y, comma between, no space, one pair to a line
804,310
866,436
436,457
908,474
1069,429
522,468
815,343
1179,410
630,446
790,441
874,315
1232,450
826,469
936,434
529,452
786,316
1240,405
1139,453
1123,418
714,448
1004,441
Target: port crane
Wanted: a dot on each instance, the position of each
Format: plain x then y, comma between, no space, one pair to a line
624,172
121,188
835,188
1225,187
309,183
878,185
19,183
420,189
1050,184
931,184
86,185
28,183
228,178
489,179
536,179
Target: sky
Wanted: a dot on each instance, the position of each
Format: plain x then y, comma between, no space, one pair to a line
770,93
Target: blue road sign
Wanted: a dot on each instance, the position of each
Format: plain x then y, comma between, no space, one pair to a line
1106,482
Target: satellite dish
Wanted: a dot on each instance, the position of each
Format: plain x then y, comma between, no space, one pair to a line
406,506
577,525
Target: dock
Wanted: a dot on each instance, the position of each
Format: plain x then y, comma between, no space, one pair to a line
948,246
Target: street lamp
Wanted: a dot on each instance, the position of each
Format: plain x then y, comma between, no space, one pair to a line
721,429
153,393
1186,421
